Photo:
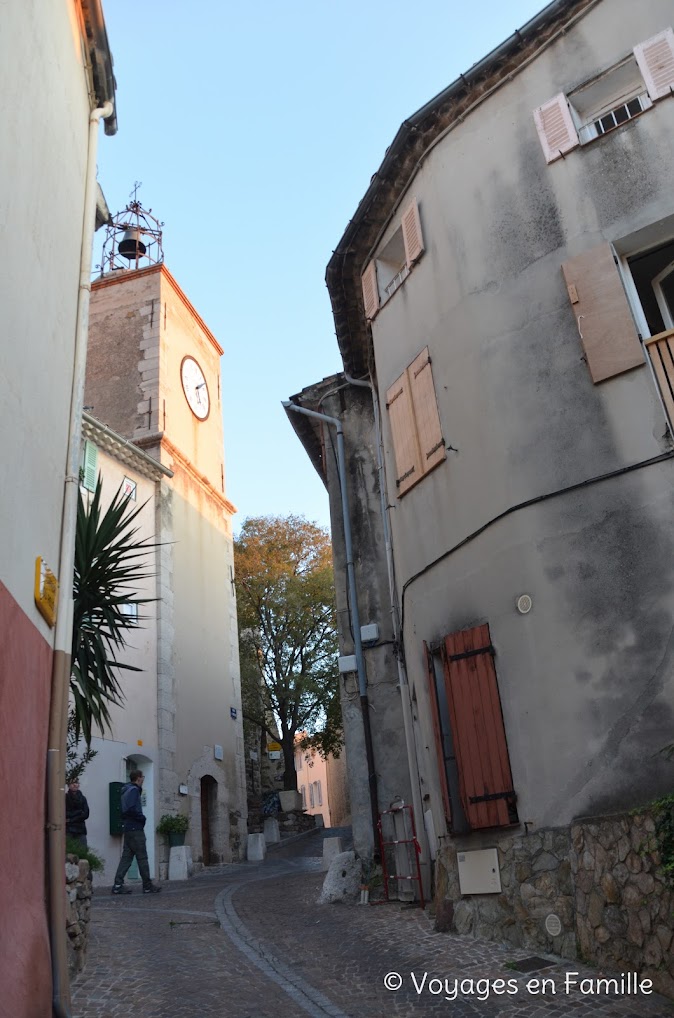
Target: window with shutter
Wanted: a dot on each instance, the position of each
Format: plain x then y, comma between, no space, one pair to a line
394,261
485,780
90,466
415,423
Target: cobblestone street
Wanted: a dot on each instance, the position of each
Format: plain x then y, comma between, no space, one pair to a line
249,940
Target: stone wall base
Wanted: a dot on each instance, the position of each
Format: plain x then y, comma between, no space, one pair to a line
599,877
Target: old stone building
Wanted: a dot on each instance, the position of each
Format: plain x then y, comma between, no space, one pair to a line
505,289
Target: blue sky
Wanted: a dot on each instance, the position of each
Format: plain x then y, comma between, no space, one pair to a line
255,129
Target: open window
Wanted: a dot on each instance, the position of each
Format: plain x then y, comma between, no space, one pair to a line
608,100
622,295
473,760
389,269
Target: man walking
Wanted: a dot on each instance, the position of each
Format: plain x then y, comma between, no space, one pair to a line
77,811
133,822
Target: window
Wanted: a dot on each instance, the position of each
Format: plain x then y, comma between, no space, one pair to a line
90,466
391,267
130,610
298,760
415,424
319,795
609,100
473,759
303,793
621,295
311,796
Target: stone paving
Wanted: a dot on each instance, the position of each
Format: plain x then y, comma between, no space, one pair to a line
249,941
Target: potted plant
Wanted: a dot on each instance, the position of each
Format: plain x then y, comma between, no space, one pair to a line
174,827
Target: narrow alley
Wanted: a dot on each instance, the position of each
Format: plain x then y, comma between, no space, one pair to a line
250,940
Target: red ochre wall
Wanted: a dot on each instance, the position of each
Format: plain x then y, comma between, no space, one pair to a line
25,680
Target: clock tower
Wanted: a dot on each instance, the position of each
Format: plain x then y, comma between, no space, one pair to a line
153,376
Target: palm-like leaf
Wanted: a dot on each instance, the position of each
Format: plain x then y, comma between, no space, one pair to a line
110,560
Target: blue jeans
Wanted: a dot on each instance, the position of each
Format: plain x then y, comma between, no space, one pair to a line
134,845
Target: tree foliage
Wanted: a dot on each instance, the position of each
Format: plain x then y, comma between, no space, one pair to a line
287,633
110,561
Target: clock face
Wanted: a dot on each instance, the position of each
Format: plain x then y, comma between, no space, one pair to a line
195,388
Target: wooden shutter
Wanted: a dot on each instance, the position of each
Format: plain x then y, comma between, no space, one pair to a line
370,290
660,350
90,467
556,129
437,736
405,446
424,402
412,236
485,779
655,58
603,317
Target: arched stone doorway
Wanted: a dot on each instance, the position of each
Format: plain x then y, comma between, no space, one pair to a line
209,806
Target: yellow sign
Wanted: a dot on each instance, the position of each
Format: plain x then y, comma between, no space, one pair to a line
273,747
46,591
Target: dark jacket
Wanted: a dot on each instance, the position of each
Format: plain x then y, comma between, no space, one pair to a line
77,811
133,818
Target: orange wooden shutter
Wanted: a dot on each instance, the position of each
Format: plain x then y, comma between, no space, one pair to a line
556,129
485,779
424,402
603,317
655,58
437,734
412,236
370,290
406,448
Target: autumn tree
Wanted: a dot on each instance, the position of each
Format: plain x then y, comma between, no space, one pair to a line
287,634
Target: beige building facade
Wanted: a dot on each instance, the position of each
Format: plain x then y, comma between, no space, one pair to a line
153,375
55,76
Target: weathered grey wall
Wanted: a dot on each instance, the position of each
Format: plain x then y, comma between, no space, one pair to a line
586,677
354,408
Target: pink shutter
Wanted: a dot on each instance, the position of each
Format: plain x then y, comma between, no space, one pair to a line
655,58
370,290
412,235
401,418
431,442
556,129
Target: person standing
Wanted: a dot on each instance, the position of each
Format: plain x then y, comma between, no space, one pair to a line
77,811
133,824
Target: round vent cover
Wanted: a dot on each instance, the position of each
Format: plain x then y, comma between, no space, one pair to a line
524,604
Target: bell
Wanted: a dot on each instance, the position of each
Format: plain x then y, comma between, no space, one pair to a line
131,246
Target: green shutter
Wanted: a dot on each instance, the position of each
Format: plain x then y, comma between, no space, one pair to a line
90,469
115,798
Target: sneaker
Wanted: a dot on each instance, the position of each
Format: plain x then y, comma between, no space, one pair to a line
151,889
120,889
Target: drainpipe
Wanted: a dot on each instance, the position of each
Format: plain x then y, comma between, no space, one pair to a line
355,616
58,713
403,682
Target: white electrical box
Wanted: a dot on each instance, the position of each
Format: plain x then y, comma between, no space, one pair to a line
347,663
479,872
369,634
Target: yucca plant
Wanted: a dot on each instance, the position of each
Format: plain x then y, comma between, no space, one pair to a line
110,561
